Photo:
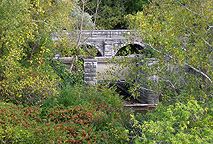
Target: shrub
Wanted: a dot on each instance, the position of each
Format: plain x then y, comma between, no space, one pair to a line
178,123
67,78
26,31
104,106
28,86
90,118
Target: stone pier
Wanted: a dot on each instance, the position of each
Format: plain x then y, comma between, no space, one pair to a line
90,70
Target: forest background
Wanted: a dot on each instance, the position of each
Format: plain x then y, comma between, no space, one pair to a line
42,102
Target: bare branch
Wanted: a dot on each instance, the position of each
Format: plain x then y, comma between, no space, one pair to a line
203,40
197,34
197,70
96,12
80,34
82,21
185,64
190,10
159,51
189,27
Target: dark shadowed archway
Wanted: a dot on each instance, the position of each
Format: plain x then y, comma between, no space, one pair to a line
129,49
135,49
91,50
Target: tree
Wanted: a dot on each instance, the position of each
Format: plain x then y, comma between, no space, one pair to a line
133,6
178,123
81,20
76,14
111,12
26,43
180,33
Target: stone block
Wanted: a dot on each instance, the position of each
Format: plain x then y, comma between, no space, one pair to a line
90,75
90,69
90,64
86,79
90,60
93,70
91,82
87,70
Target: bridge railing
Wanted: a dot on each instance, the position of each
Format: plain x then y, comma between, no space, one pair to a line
96,33
106,33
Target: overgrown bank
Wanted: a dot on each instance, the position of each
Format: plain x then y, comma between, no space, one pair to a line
42,102
77,115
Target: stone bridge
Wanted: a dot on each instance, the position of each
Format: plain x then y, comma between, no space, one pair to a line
109,42
95,72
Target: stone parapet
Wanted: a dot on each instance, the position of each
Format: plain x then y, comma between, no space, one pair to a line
90,70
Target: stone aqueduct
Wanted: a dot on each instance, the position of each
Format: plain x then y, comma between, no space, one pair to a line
108,42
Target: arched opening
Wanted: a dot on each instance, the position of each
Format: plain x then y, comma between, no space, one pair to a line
126,86
136,49
90,50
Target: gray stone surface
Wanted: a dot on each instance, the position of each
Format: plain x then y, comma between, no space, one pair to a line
90,70
107,42
102,64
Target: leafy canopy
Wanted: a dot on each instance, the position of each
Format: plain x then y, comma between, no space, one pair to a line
26,44
181,34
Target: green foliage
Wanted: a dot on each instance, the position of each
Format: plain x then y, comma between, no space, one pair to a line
67,77
180,33
178,123
111,13
78,95
136,49
78,115
26,43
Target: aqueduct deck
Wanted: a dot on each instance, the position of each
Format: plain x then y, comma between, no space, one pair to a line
107,42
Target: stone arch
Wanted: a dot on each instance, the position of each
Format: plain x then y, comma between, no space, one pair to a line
99,50
133,48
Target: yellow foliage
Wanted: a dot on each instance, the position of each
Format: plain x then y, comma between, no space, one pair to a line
26,44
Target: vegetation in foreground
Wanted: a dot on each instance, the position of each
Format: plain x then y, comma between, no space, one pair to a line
77,115
180,33
41,102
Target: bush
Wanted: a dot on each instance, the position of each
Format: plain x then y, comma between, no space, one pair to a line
104,106
67,78
178,123
28,85
26,30
85,115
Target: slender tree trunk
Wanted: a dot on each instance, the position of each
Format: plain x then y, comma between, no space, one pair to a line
81,28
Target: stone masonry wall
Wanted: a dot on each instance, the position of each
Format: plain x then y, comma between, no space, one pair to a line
90,70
